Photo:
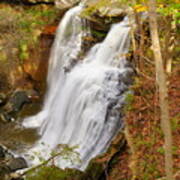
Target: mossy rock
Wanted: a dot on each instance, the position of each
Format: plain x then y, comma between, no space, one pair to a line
53,173
102,14
66,4
95,170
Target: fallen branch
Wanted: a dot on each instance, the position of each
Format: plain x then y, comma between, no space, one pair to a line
67,151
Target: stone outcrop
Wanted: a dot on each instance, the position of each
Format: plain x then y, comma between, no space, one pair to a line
9,164
28,2
102,15
15,103
2,99
65,4
16,163
112,8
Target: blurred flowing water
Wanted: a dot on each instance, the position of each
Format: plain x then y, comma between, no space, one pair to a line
84,99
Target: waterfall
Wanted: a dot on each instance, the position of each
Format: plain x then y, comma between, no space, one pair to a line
84,98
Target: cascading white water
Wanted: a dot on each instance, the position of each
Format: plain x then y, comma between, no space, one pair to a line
82,105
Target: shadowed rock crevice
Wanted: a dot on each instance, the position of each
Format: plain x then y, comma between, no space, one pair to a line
27,3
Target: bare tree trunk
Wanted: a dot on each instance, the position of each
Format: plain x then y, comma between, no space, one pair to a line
170,44
163,92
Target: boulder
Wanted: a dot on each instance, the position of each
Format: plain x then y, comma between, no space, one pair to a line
16,164
112,11
9,164
5,154
101,16
4,170
2,99
112,8
7,117
2,153
66,4
17,101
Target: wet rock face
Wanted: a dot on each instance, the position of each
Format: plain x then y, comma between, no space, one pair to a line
16,164
9,164
63,4
2,153
29,2
17,101
101,16
15,104
4,83
2,99
37,65
113,8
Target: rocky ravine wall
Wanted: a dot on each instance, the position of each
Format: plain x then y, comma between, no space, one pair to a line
26,36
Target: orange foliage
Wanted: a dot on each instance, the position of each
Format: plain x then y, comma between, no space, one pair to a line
50,30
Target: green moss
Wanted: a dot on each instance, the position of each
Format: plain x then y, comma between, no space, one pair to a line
34,19
150,170
45,171
3,56
129,100
98,34
94,7
144,143
175,122
23,48
51,173
160,150
93,171
20,29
